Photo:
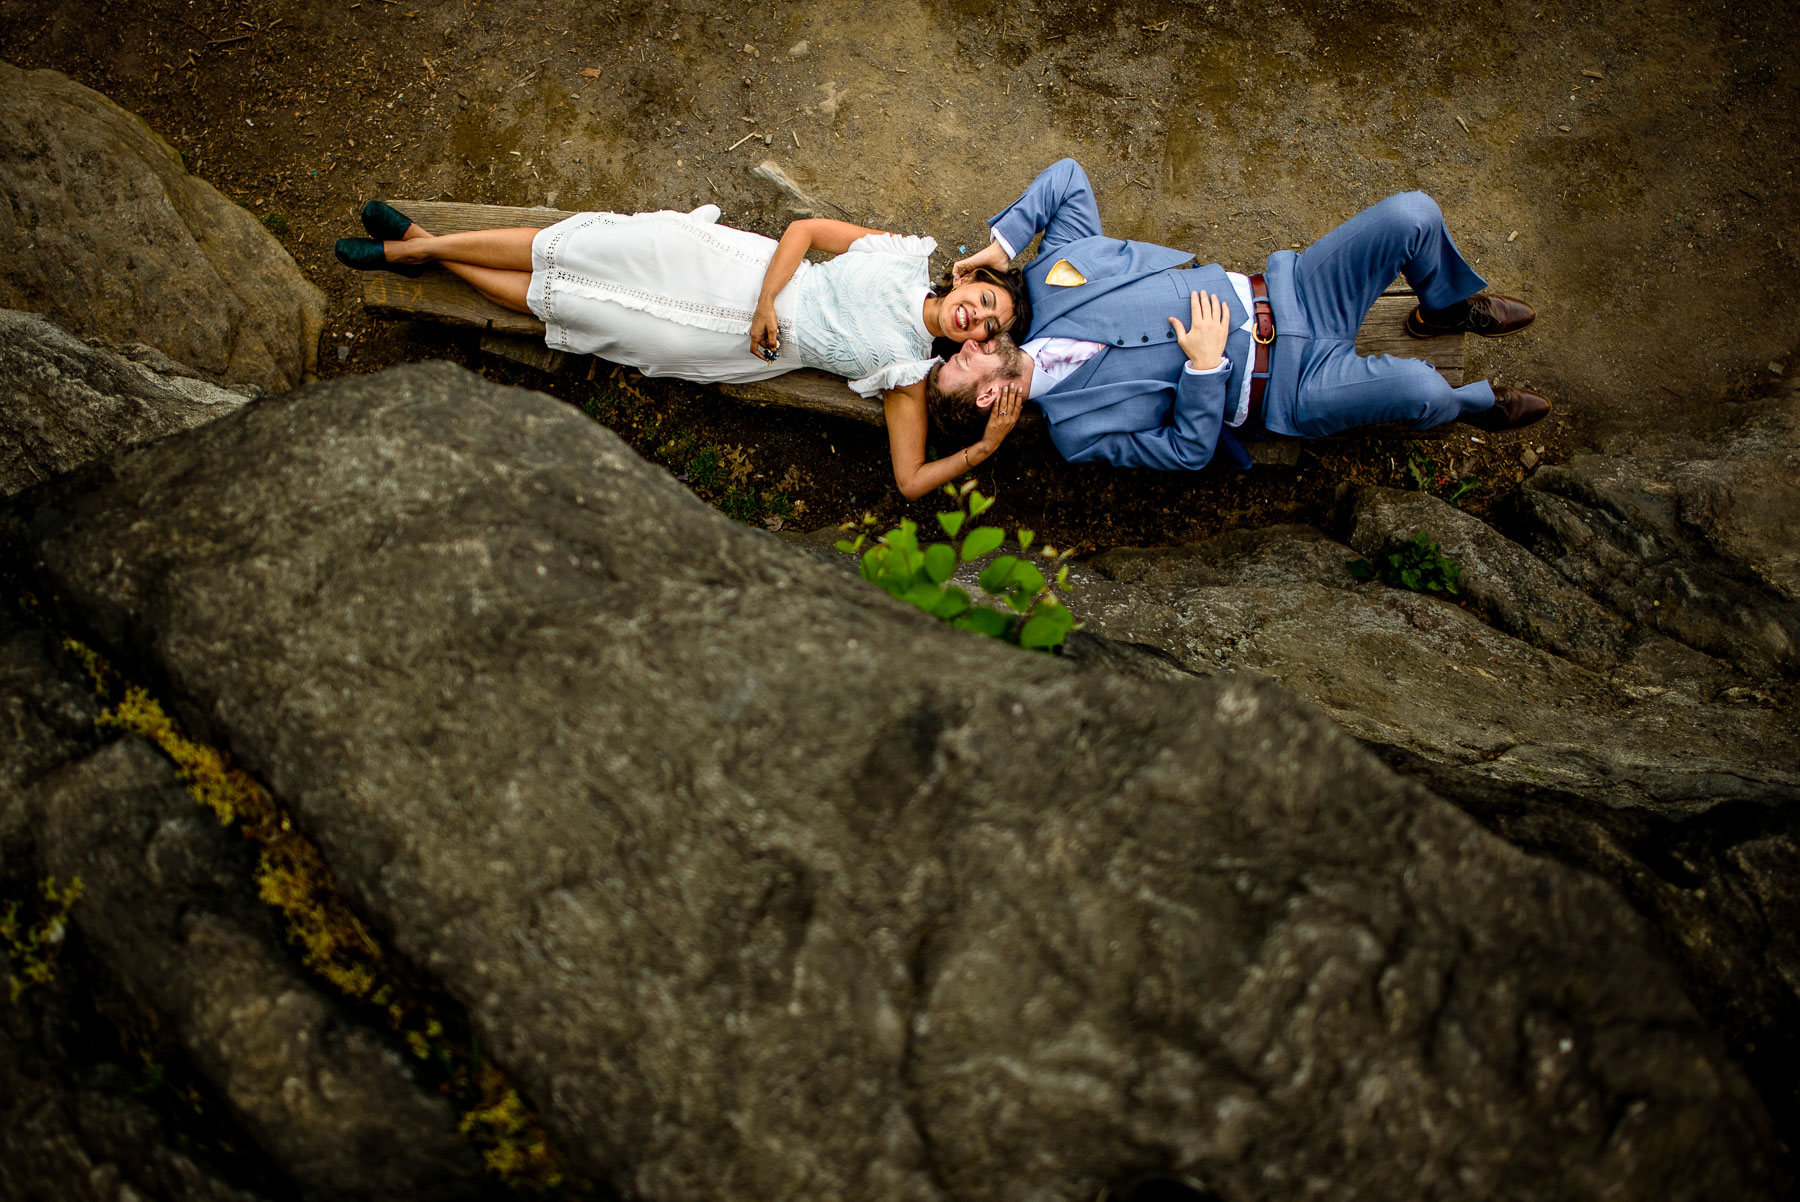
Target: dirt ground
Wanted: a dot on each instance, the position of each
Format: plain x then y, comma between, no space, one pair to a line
1626,167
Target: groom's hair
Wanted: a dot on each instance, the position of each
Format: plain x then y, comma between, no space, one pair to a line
956,412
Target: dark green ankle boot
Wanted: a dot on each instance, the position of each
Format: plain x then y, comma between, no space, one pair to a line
364,254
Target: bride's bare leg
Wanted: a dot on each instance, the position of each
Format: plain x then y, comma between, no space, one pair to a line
504,288
509,250
503,285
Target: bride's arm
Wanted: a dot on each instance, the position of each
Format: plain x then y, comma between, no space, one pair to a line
809,233
906,427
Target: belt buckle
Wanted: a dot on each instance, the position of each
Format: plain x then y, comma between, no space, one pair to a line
1256,334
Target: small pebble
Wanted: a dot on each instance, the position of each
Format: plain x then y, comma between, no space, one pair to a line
1528,457
343,352
799,49
1777,367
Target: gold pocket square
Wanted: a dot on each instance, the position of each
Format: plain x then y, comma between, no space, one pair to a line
1064,276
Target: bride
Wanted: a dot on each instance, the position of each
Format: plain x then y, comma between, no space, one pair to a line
678,294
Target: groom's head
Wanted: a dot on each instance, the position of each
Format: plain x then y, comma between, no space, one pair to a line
960,391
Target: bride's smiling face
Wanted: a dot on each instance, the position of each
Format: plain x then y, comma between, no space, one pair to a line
975,310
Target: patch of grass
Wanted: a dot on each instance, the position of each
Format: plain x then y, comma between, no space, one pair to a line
722,476
277,224
740,505
703,470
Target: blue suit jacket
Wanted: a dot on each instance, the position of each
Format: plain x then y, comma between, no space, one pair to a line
1131,405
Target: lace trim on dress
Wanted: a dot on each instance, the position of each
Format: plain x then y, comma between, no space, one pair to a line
912,246
894,375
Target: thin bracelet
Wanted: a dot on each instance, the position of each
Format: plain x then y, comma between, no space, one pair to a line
966,464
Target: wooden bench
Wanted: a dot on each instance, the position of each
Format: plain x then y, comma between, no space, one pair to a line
437,295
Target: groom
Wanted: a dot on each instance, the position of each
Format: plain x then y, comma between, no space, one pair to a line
1124,381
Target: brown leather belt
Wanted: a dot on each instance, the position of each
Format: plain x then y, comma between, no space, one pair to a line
1264,337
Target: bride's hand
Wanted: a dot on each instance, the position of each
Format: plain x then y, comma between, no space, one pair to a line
765,334
993,255
1003,417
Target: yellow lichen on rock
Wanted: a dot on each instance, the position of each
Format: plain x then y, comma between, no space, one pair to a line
31,946
292,876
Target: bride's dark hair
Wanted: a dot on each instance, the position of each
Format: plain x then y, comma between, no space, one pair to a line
1012,282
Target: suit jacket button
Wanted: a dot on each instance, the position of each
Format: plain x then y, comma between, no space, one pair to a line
1147,337
1119,341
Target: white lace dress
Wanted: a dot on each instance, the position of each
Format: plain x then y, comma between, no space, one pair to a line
673,294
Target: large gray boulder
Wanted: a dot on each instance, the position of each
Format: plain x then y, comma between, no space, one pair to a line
1695,534
103,231
175,946
63,402
764,886
1512,588
1429,677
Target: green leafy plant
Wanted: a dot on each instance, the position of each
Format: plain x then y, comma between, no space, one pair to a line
1030,614
32,943
1464,487
1420,470
277,224
1420,566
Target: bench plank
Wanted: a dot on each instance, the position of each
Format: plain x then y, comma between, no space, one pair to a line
437,295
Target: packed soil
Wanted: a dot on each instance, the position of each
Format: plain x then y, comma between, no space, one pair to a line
1627,168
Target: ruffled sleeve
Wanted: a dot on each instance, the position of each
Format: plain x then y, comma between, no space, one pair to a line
910,246
894,375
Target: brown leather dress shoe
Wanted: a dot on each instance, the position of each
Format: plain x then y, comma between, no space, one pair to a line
1486,313
1513,408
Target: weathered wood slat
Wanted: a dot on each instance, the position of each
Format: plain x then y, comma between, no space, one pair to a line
439,296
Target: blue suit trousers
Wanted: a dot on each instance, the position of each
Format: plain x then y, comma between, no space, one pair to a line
1329,289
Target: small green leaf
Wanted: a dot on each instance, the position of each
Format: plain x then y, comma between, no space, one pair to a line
1062,576
1047,628
1027,577
982,540
983,620
905,538
924,595
940,562
951,522
1025,537
953,602
1362,569
978,504
997,575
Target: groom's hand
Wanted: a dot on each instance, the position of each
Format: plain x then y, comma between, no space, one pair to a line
993,256
1205,343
